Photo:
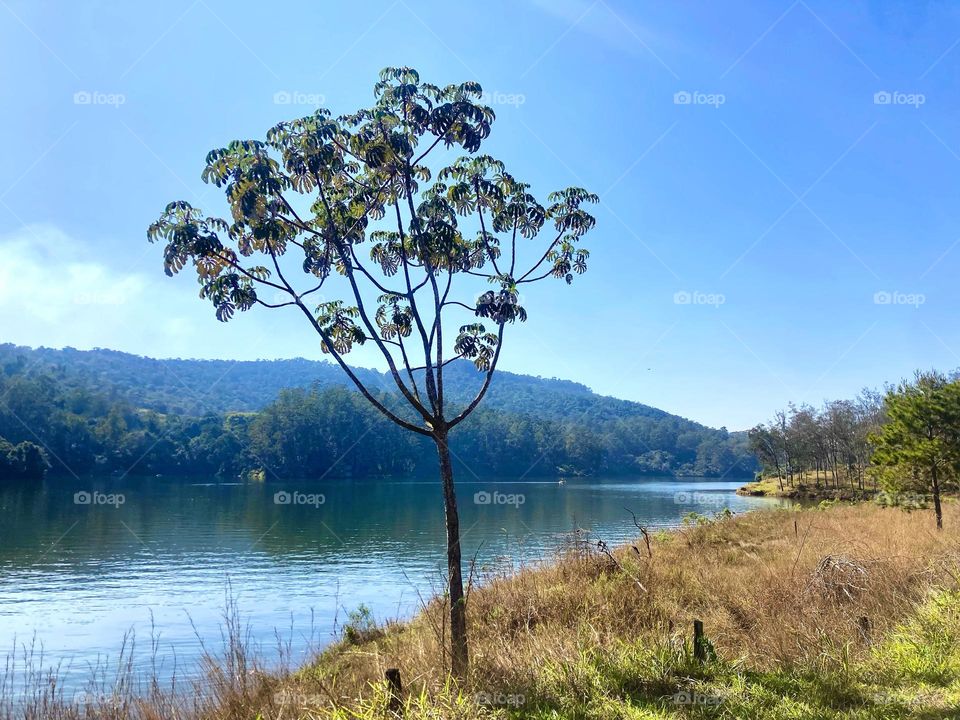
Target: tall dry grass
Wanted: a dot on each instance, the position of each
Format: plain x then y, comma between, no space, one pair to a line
773,588
230,681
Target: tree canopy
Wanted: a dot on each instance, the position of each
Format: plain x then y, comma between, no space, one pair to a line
918,447
322,188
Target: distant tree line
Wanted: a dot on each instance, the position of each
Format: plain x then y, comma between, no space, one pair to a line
175,386
828,446
904,442
306,431
23,460
65,423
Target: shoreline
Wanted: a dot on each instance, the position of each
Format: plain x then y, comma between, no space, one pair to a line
747,543
316,593
614,626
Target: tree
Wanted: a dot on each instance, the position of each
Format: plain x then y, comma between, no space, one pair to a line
833,440
840,426
804,430
919,445
783,434
766,445
367,178
869,417
24,460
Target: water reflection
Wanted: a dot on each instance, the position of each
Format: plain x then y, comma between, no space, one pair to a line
80,571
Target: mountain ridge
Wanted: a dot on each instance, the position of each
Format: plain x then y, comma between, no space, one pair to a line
232,416
329,373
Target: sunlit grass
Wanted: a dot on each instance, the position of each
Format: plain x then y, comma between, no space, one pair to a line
810,484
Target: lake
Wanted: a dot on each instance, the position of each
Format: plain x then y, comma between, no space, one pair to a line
82,563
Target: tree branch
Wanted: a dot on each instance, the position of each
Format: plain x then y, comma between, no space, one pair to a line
340,361
417,405
540,261
411,295
486,383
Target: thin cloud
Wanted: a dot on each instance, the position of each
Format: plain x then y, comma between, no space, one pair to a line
52,292
607,22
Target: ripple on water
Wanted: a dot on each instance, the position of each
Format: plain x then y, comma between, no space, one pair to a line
175,552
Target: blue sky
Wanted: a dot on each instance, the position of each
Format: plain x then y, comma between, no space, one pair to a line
779,181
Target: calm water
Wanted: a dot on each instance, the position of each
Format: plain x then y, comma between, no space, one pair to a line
79,575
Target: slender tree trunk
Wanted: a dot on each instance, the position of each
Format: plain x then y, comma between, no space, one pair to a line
459,658
936,497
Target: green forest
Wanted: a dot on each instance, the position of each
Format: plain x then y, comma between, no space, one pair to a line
105,412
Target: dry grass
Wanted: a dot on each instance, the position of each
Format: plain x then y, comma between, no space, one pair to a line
811,486
779,592
757,581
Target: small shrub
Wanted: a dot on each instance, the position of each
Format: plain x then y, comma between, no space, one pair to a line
361,627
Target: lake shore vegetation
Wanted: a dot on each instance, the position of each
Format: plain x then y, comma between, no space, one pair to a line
842,611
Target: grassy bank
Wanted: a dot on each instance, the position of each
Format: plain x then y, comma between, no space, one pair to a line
807,486
844,612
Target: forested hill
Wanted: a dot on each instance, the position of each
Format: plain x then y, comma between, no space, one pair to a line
103,410
197,387
181,387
